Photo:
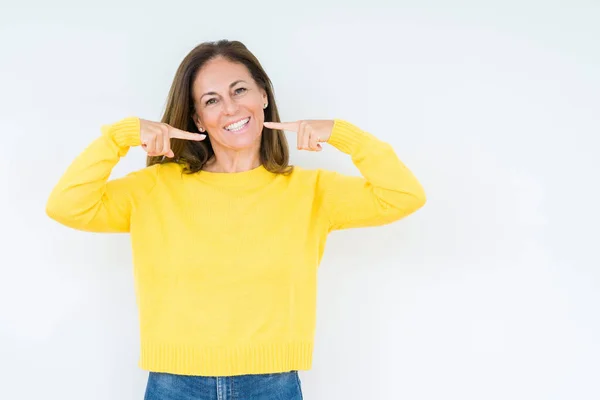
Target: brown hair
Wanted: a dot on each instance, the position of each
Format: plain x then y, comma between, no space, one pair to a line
179,111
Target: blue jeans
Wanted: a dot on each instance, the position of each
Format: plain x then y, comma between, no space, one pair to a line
275,386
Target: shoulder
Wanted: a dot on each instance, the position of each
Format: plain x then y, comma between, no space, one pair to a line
150,175
168,167
144,173
315,176
168,172
302,172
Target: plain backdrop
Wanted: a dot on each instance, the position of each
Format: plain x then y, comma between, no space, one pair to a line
491,291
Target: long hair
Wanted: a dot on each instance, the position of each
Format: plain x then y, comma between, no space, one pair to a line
179,110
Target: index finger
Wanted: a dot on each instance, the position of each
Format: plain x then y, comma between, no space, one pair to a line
179,134
286,126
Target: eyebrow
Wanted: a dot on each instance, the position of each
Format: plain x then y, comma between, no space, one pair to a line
230,86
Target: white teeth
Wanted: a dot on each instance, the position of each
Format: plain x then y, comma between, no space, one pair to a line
237,125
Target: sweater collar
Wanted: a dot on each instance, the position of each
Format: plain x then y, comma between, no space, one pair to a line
244,180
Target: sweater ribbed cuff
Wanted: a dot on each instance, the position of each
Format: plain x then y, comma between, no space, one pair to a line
126,132
347,137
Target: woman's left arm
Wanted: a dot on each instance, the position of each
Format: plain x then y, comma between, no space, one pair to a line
387,190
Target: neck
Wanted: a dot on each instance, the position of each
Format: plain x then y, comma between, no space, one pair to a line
230,162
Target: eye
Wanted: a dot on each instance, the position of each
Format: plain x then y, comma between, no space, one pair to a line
241,88
208,102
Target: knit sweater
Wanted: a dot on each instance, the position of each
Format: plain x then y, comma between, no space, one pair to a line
225,264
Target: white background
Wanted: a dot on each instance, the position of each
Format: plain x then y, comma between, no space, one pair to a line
491,291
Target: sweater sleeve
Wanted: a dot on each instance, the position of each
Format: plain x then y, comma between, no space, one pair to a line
85,199
386,192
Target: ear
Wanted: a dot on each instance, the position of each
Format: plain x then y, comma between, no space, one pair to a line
265,98
198,122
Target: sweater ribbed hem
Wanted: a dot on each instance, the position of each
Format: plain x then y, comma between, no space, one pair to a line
226,361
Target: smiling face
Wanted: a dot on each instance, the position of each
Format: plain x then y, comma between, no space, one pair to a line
229,105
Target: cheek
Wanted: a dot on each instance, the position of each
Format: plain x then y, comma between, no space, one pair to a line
254,102
258,111
211,117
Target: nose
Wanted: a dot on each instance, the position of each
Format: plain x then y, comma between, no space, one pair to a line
230,106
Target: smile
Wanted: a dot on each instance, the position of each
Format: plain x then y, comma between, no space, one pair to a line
238,126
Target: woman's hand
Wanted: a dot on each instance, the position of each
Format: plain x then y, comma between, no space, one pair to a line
156,137
310,132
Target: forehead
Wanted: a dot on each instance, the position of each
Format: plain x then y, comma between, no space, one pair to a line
217,74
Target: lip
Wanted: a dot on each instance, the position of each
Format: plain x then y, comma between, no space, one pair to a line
233,122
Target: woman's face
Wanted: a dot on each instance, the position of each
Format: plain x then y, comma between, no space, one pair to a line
224,93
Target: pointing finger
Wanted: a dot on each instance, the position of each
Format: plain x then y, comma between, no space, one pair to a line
286,126
179,134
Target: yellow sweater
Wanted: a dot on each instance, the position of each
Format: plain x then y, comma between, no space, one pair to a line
225,264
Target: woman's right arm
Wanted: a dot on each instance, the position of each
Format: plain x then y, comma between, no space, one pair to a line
84,199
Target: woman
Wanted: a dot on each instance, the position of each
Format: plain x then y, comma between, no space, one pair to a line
226,235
